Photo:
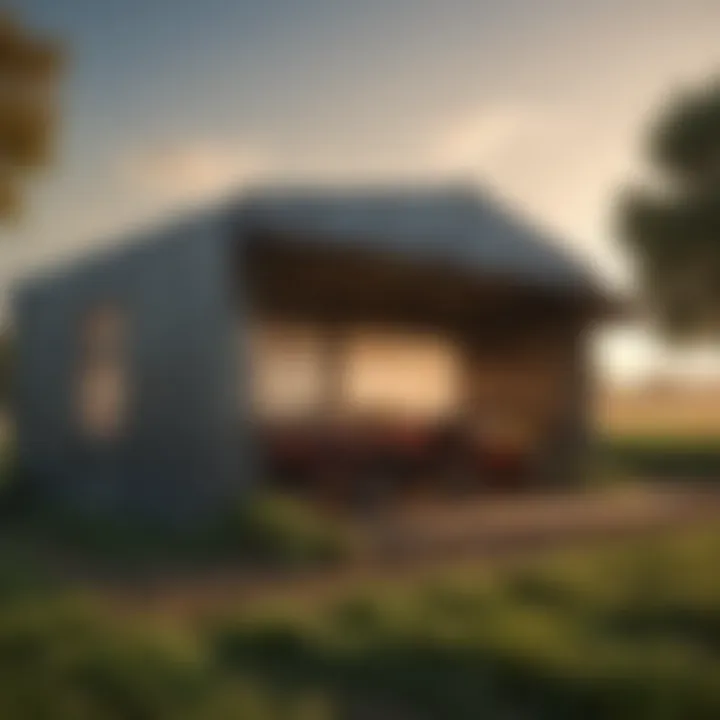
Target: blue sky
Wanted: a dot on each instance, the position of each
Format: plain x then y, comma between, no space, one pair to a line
168,103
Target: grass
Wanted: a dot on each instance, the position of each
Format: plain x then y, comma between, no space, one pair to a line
267,529
674,457
599,635
631,632
277,528
671,434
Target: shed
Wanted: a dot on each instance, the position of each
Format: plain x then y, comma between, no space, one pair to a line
143,385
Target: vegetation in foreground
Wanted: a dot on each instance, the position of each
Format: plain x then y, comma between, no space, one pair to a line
631,632
268,530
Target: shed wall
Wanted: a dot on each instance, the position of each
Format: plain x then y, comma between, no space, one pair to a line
183,435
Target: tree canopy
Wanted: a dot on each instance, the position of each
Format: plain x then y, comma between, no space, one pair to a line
29,68
672,226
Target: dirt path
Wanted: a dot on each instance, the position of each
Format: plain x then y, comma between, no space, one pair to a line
421,542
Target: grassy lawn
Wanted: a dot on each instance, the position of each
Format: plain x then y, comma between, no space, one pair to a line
630,632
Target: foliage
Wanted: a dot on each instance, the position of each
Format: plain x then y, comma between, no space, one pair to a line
628,633
285,530
62,659
659,457
28,73
673,230
612,634
267,529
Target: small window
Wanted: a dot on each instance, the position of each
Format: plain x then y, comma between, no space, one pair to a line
102,390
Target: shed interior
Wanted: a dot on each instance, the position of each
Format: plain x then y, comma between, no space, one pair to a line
374,373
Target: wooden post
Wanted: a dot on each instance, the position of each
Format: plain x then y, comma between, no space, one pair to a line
334,362
334,366
570,453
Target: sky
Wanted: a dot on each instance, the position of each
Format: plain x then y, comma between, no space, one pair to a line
170,103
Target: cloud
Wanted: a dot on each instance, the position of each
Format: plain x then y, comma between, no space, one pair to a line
477,140
556,161
193,171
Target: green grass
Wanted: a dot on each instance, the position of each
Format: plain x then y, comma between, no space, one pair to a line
602,635
661,457
276,528
631,632
267,529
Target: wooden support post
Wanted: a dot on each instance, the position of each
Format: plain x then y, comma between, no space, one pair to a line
334,369
570,453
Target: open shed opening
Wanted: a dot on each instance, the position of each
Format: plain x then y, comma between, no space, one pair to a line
373,374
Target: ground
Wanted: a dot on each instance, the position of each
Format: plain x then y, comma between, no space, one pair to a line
615,631
416,542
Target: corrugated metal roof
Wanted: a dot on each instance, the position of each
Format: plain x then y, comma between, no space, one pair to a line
455,226
458,227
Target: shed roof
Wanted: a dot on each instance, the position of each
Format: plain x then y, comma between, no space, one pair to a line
458,227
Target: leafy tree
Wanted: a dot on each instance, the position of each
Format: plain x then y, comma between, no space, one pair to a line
672,225
28,74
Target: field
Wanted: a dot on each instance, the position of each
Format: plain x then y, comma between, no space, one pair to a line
687,411
670,432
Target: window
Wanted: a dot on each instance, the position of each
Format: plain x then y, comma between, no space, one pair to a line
102,391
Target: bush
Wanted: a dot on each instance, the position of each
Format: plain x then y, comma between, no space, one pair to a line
283,530
270,529
64,660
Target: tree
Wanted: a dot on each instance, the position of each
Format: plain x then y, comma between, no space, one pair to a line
672,226
28,73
